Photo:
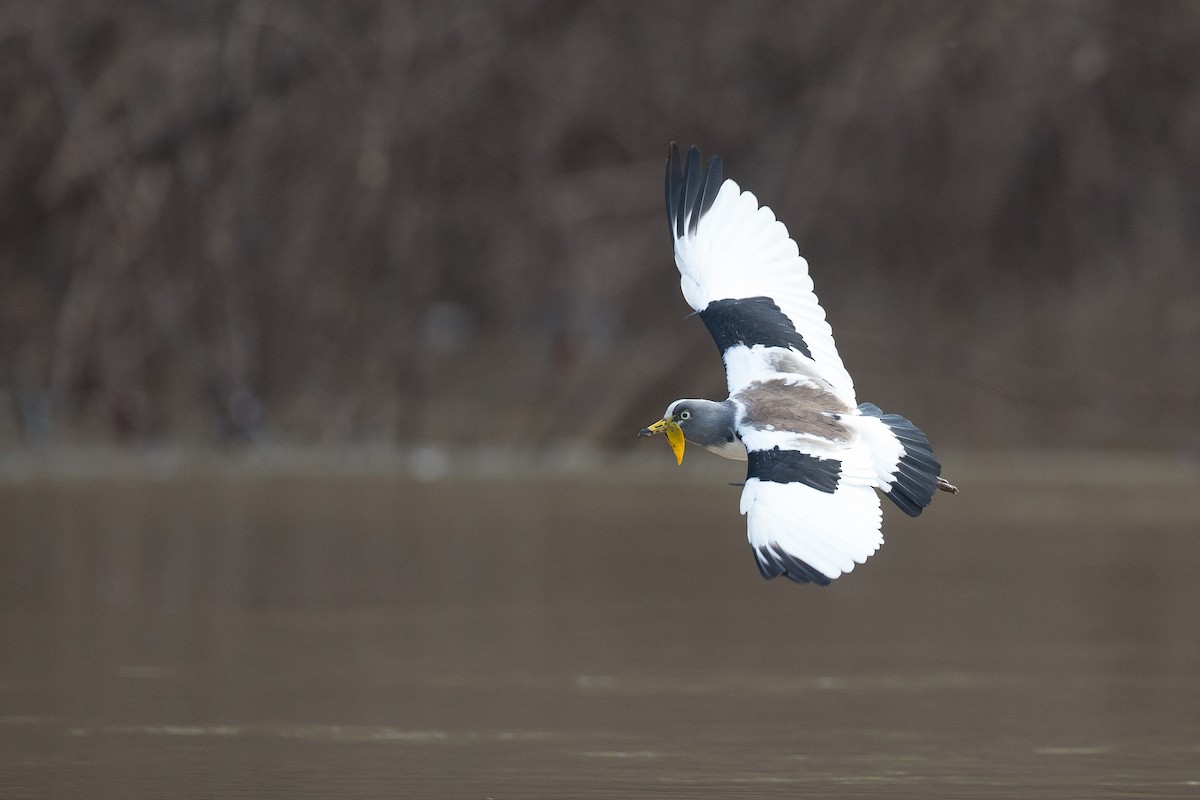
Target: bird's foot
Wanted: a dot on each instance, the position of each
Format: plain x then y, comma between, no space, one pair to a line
947,486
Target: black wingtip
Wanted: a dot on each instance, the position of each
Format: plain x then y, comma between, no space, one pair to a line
690,190
712,183
706,194
772,563
691,185
674,182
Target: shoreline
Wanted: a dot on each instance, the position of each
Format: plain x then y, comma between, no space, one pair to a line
564,463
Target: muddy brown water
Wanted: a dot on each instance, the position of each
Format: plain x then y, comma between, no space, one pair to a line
342,637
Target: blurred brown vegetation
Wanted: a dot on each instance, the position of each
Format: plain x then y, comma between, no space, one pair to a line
414,223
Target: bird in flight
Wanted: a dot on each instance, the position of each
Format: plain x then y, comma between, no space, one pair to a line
815,457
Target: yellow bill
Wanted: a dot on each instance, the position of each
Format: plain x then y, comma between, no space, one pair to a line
674,435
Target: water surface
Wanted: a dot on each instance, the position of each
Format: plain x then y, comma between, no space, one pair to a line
371,636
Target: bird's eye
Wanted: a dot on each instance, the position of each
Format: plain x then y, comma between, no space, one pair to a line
685,415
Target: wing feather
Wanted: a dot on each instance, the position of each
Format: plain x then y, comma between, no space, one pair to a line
827,531
729,247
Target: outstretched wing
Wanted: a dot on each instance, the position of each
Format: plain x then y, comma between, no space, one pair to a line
744,275
812,512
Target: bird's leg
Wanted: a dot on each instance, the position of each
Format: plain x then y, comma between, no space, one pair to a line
947,486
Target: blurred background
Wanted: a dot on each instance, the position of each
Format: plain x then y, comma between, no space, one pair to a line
441,224
326,328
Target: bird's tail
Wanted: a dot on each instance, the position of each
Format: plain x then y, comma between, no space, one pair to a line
908,471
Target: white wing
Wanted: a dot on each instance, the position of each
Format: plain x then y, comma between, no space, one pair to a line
812,521
744,275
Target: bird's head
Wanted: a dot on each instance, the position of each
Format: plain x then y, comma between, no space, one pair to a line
701,422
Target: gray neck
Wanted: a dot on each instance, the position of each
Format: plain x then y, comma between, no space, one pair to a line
712,423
